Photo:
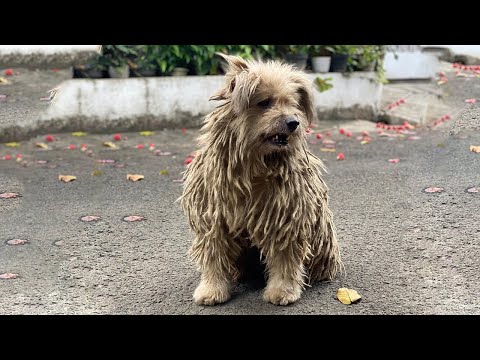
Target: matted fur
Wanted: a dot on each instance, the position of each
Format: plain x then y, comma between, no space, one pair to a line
241,191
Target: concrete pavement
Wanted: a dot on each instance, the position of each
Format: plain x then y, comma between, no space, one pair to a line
405,251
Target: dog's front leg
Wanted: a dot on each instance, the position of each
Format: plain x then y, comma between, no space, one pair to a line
217,265
285,279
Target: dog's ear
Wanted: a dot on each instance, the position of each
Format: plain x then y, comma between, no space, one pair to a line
305,89
236,65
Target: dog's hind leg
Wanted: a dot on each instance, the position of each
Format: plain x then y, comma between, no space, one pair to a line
216,261
285,278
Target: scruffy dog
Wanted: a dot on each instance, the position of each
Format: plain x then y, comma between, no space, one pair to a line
254,183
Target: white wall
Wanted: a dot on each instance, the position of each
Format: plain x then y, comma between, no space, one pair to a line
45,49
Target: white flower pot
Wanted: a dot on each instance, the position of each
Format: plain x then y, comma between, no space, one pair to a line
321,64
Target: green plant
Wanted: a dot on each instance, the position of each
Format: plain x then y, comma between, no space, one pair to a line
146,57
342,49
323,84
118,55
318,50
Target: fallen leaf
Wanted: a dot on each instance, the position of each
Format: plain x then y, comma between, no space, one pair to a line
133,218
348,296
109,144
364,142
146,133
434,190
17,242
41,161
328,149
12,144
66,178
41,145
9,195
90,218
79,133
393,161
97,173
177,180
7,276
163,172
441,145
59,243
414,138
4,81
105,161
475,149
473,190
135,177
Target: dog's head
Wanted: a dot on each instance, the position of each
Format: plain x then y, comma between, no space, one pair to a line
272,104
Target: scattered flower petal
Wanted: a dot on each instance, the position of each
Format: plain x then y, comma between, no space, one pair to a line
393,161
90,218
140,146
471,101
117,137
8,72
105,161
17,242
188,160
434,190
71,147
9,195
7,157
7,276
472,190
59,243
49,138
177,180
133,218
340,156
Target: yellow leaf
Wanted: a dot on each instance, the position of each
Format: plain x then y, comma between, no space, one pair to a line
475,149
146,133
109,144
135,177
348,296
327,150
66,178
12,144
79,133
4,81
365,142
441,82
97,172
163,172
41,145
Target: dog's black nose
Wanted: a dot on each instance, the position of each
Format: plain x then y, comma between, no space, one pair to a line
292,123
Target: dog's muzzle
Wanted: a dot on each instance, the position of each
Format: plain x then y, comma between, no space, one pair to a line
292,123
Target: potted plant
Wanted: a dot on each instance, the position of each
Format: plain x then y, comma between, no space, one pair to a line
145,63
369,56
296,55
321,58
340,56
117,57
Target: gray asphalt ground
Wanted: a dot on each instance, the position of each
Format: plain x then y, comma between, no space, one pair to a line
405,251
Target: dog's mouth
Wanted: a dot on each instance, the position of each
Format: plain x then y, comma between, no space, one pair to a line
278,140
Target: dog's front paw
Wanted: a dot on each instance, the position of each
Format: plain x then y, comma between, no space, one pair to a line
282,295
211,294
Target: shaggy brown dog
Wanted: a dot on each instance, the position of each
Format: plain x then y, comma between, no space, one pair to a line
254,183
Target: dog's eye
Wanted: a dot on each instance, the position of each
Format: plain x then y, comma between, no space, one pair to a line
265,103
